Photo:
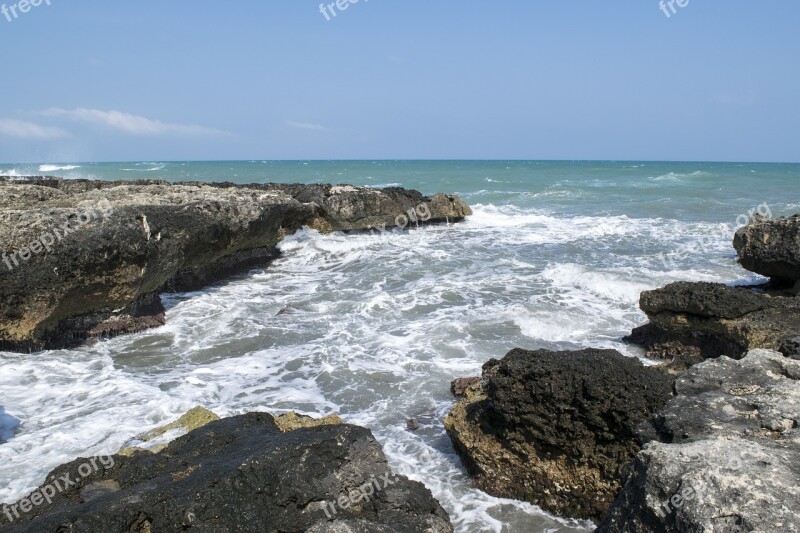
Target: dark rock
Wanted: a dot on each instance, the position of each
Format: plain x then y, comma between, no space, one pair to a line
724,455
83,260
790,347
240,474
459,386
679,356
556,428
771,247
712,319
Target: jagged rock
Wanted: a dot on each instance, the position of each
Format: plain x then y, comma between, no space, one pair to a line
556,428
724,455
459,386
239,474
293,421
711,319
771,247
193,419
84,259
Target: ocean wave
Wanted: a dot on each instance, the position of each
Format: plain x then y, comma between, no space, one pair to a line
679,177
55,168
156,168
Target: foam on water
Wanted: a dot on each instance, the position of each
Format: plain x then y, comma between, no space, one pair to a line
56,168
370,326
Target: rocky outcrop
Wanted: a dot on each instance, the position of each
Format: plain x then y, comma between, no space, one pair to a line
711,319
724,455
239,474
556,428
771,247
83,259
689,322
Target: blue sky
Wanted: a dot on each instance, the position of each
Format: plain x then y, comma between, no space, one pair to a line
411,79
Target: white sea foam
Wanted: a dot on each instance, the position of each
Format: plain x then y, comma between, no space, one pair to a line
56,168
681,177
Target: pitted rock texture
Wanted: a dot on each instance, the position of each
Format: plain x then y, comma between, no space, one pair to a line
556,428
728,445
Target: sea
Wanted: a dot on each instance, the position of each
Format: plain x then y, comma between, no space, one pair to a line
555,256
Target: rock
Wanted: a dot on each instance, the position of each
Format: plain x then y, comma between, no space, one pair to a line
724,455
556,428
193,419
771,247
459,386
293,421
706,320
790,347
239,474
82,260
680,357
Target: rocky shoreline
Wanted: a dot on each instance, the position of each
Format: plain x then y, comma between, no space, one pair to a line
706,439
83,260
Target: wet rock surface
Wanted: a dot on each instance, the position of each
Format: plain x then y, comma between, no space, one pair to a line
239,474
556,428
84,259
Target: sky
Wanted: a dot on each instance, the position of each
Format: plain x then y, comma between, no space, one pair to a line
92,80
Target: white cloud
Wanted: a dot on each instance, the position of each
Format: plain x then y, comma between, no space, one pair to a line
20,129
304,125
132,124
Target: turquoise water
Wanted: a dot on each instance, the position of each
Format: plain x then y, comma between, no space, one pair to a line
689,191
555,256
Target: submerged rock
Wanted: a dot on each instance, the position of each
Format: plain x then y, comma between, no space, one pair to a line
712,319
556,428
239,474
724,455
84,259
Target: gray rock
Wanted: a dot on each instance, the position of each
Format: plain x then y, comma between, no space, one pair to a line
83,259
724,454
771,247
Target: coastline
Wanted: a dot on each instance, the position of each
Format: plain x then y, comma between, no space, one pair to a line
357,233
